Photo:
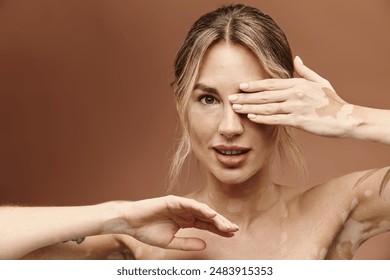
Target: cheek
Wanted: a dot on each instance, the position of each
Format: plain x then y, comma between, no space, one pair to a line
266,136
200,133
202,126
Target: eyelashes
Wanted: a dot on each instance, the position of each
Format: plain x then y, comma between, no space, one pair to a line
207,99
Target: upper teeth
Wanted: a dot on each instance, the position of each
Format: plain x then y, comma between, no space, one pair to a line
231,152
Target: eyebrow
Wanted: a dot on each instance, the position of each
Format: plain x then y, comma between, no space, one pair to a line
205,88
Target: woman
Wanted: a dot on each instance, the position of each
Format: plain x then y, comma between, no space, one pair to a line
236,100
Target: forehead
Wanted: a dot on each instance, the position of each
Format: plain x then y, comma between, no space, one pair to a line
226,65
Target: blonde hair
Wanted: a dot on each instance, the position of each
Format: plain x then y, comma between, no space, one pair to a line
236,24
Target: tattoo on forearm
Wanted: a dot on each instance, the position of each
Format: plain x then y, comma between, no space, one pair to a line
77,240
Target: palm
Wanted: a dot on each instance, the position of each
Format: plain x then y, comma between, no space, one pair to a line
158,220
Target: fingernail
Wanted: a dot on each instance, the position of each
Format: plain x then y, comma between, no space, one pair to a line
237,106
244,86
233,97
251,116
299,60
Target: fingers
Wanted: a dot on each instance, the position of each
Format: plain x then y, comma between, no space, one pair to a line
271,114
305,72
215,228
279,84
280,119
188,211
179,205
262,109
260,97
266,84
196,244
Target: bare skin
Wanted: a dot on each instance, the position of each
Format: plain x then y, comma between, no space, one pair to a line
47,232
314,224
327,221
232,112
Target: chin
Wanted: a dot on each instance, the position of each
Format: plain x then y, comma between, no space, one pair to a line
233,177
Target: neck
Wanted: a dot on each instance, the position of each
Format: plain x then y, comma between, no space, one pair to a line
243,202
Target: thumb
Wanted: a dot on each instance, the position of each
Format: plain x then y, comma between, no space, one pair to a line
187,244
305,72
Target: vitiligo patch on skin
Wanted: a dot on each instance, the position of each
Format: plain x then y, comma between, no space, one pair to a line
120,255
331,112
324,111
283,237
367,193
354,203
352,233
383,184
377,228
233,207
344,216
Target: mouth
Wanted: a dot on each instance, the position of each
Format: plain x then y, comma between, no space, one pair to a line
231,156
231,152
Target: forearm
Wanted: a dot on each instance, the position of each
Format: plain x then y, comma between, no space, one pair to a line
101,247
373,125
26,229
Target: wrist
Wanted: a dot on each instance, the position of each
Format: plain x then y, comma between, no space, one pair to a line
114,218
354,121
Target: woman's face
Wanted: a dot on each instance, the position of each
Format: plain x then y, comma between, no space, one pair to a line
229,145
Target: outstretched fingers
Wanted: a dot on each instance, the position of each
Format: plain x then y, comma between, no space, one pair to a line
271,84
221,228
197,244
260,97
188,211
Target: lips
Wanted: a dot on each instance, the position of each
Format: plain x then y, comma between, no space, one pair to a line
231,156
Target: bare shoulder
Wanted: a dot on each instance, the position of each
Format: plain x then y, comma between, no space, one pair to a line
358,185
361,198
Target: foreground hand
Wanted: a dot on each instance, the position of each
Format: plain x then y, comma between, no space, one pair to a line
309,103
156,221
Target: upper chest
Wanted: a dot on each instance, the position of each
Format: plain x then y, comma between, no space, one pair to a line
305,228
299,233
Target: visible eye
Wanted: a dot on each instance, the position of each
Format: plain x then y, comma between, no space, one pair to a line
208,100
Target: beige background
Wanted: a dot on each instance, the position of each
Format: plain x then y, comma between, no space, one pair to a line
87,115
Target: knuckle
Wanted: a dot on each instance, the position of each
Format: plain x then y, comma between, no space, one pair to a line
326,81
273,119
300,93
268,109
271,84
170,197
263,97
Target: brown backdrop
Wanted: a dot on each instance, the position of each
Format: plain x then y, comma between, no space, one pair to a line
86,112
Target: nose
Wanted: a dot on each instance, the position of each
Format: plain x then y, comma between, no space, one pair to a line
230,124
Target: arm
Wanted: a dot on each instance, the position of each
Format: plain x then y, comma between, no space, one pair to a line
153,221
374,126
311,104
